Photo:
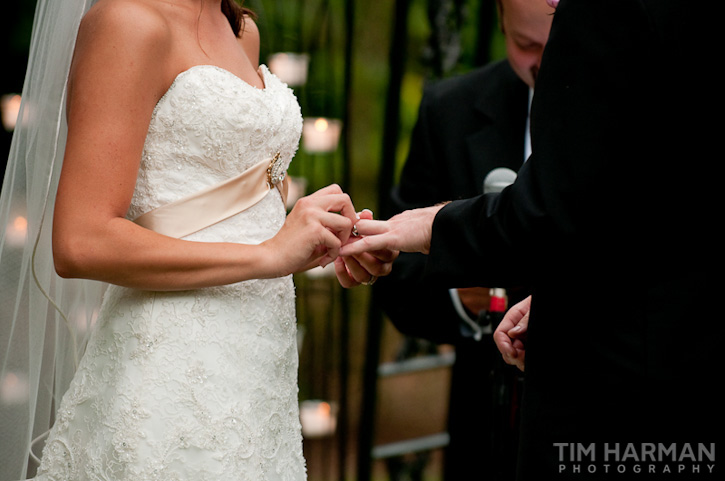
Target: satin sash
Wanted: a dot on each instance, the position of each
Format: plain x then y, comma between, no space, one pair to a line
216,203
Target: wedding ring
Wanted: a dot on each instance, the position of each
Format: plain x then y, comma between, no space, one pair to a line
354,231
371,281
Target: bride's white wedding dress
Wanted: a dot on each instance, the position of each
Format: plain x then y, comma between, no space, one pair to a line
194,385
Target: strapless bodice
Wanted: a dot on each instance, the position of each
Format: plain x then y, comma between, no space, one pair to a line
210,126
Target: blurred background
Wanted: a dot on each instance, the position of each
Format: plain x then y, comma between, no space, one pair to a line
373,402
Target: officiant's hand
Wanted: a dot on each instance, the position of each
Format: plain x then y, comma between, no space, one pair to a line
366,267
318,225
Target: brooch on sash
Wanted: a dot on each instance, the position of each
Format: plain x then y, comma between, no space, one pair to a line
275,172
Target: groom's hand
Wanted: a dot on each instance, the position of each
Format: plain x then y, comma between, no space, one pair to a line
409,231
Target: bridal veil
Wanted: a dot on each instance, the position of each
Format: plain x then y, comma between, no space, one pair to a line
44,320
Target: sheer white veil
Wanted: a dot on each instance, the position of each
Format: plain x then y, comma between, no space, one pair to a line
44,320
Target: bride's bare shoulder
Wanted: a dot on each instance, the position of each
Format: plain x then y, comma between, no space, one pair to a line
124,33
122,44
249,39
139,20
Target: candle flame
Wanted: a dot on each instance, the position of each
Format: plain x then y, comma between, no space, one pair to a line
324,408
20,224
321,124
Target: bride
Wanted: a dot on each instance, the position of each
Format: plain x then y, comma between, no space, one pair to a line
172,192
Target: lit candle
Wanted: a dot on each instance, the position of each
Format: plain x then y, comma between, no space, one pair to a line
317,419
83,320
13,389
321,134
10,106
291,68
16,231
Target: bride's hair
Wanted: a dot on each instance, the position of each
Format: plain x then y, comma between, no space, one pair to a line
235,11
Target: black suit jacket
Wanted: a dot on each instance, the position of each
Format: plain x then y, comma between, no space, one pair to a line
467,126
609,222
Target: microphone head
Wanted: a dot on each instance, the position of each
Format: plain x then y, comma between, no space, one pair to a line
497,179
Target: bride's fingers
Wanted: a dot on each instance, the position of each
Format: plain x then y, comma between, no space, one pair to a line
331,242
335,203
339,225
324,260
322,234
340,203
343,203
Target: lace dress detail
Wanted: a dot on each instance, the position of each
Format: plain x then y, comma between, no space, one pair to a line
194,385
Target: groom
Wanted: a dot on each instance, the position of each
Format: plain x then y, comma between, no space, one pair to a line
613,239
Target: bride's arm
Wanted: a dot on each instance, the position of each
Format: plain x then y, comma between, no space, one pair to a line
116,79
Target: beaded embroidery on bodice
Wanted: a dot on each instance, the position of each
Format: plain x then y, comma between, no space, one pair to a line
202,384
211,126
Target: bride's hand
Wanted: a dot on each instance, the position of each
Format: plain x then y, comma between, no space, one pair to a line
315,229
364,268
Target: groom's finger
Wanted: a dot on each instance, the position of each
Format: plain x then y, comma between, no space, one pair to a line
366,244
365,214
372,227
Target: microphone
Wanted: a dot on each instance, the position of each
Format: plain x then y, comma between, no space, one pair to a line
497,179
